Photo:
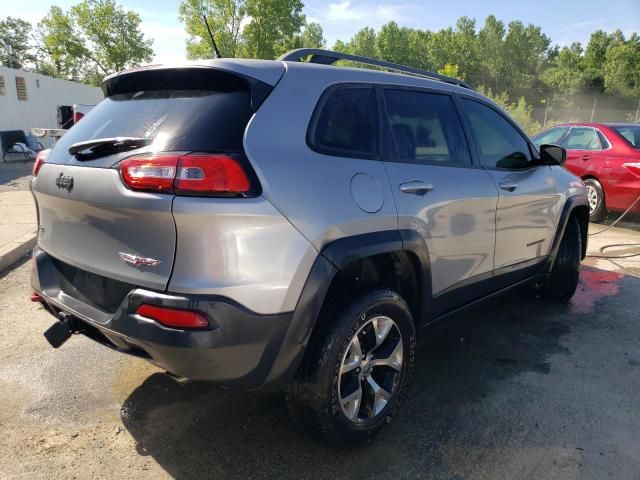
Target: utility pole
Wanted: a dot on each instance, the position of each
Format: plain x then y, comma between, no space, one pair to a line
593,110
546,110
637,113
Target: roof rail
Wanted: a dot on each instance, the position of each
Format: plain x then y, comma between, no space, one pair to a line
329,57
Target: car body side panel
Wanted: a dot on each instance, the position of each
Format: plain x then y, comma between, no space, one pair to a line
456,219
527,217
314,191
243,249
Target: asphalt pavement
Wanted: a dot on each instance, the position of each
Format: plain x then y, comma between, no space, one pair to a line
516,388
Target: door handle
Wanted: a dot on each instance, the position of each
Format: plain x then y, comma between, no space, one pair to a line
416,187
508,186
586,157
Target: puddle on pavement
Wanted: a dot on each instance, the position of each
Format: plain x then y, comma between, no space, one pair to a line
594,285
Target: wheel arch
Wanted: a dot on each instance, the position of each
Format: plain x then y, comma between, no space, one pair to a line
396,259
573,207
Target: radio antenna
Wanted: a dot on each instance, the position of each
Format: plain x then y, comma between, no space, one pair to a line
213,41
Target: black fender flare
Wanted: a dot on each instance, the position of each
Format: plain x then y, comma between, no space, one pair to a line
334,257
570,206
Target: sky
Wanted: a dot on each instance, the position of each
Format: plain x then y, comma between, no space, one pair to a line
564,21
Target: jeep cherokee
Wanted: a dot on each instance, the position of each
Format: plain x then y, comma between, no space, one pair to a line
293,225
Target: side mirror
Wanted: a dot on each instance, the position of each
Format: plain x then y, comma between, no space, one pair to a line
552,155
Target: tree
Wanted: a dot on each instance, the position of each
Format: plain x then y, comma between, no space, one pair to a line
392,42
311,37
594,58
566,79
451,70
247,28
363,43
14,42
94,39
112,35
525,50
491,54
273,25
622,67
225,18
61,52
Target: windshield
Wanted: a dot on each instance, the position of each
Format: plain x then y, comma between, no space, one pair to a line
631,133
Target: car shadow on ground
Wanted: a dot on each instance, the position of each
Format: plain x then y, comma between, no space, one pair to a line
197,430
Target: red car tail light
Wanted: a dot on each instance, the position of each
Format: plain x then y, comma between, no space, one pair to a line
198,174
174,317
40,158
634,167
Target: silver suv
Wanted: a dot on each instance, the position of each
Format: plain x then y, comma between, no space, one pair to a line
293,225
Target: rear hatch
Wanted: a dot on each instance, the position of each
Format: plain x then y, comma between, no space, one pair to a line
94,219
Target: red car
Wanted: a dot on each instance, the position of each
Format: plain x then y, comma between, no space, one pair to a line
606,156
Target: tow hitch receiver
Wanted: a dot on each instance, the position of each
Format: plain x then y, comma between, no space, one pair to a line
61,331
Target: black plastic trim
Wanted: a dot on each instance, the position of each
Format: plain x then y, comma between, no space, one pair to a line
570,205
485,284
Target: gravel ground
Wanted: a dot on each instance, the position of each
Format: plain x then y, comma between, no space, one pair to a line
15,175
517,388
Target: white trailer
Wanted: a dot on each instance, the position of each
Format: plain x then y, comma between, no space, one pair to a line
30,100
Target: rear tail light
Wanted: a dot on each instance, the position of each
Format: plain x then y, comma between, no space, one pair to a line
150,174
77,116
174,317
633,167
40,158
196,174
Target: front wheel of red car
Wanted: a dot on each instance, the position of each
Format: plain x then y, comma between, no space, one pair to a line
595,196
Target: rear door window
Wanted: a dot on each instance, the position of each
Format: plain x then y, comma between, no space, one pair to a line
551,136
425,128
500,144
582,138
345,123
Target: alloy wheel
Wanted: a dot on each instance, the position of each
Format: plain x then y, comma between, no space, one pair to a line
371,369
592,197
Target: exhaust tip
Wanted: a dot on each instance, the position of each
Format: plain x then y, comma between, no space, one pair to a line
35,297
179,380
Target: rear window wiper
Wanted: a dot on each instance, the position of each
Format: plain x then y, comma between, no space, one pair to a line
104,146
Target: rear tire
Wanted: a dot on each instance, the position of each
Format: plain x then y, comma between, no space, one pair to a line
595,195
355,374
563,280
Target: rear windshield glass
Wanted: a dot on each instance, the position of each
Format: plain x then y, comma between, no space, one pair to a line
631,133
200,120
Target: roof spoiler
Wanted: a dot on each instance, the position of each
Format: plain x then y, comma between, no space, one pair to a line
196,77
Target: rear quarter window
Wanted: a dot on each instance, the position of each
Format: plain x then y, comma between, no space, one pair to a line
345,123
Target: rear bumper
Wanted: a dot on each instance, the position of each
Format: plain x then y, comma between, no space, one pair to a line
238,350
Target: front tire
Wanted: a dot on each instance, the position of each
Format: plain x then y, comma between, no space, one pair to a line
355,374
595,196
563,279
